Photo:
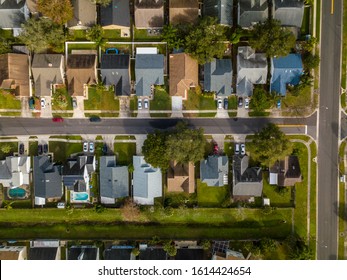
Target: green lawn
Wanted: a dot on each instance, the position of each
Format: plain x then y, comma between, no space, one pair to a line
344,47
61,100
124,152
8,101
122,48
297,105
161,100
101,100
305,27
7,149
78,34
277,199
313,195
229,148
63,150
33,148
142,35
232,102
199,102
112,34
67,137
211,196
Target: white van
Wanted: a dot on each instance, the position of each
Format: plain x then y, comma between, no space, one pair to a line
237,149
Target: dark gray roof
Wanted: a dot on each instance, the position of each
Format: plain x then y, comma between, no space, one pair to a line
213,170
43,253
252,11
115,71
83,253
149,4
247,181
117,13
218,77
289,12
47,178
78,61
13,13
73,170
190,254
149,70
222,9
114,180
118,253
47,70
152,253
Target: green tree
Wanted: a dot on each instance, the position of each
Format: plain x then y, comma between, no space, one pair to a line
6,148
103,3
236,36
4,46
155,151
270,145
59,11
309,45
170,248
135,251
96,34
41,34
311,61
273,39
170,35
205,40
260,100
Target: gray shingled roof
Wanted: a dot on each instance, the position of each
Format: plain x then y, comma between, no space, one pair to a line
73,171
115,70
213,169
251,69
43,253
289,12
252,11
247,181
47,70
116,13
83,253
114,180
221,9
149,70
47,178
218,77
147,181
13,13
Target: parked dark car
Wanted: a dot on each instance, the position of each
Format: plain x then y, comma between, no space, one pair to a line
32,103
95,119
21,148
45,148
40,149
104,149
240,101
226,103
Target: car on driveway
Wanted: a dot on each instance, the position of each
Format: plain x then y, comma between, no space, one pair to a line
240,101
237,149
43,103
91,147
220,103
45,148
226,103
85,147
39,149
21,148
95,119
146,103
32,103
104,149
139,104
278,104
246,103
58,119
74,102
243,149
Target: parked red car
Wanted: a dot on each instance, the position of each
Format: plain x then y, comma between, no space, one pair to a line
58,119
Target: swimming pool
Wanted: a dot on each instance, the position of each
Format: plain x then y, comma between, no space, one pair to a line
80,197
16,193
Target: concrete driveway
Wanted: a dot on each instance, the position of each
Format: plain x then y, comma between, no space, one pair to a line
46,112
78,112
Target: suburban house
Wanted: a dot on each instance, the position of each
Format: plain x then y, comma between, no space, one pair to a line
214,171
285,71
15,171
218,77
152,253
119,252
77,173
13,253
285,172
183,11
190,254
14,73
47,180
13,13
181,177
115,71
251,12
81,72
251,70
149,14
114,180
228,255
247,181
183,74
149,71
48,71
289,13
83,253
116,16
221,9
45,250
84,14
147,182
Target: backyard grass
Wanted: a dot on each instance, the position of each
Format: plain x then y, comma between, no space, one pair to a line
277,199
211,196
112,34
142,35
122,48
7,149
8,101
199,102
62,150
78,34
101,100
161,100
76,46
124,152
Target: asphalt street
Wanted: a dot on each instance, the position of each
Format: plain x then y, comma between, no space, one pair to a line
328,135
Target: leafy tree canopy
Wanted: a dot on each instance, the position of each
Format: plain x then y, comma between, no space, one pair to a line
41,34
60,11
170,34
260,100
270,145
96,34
205,41
273,39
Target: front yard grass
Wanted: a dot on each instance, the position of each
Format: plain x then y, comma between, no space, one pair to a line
305,27
161,100
211,196
62,150
197,101
33,148
124,152
8,101
7,149
142,35
232,102
99,99
297,105
61,100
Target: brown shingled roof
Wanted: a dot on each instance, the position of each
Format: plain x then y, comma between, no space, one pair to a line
183,74
180,177
183,11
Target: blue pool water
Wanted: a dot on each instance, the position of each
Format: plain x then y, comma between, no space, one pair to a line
16,193
80,196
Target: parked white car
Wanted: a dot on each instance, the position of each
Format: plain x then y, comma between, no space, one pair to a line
85,147
43,103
